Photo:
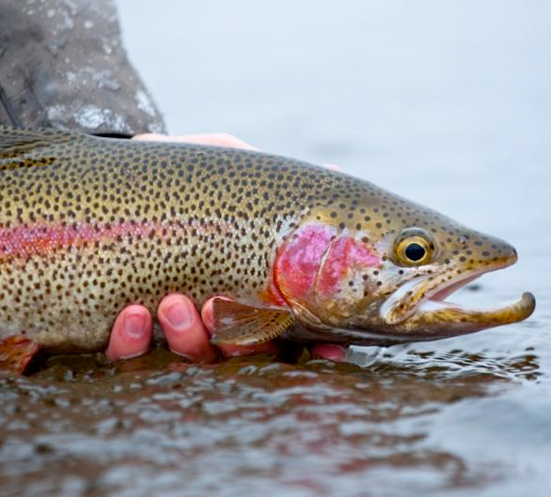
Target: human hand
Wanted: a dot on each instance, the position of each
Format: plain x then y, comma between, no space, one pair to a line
188,332
217,139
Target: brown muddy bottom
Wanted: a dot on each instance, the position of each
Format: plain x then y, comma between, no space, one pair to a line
157,426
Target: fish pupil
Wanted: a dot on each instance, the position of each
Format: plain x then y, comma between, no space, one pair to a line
415,252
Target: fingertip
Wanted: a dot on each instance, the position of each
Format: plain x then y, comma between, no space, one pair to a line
180,306
131,333
330,352
207,313
184,330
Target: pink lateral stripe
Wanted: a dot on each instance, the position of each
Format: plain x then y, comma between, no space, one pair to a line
24,241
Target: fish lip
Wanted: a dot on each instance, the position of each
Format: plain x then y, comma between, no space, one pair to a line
425,296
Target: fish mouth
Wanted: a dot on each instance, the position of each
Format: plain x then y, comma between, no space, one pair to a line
418,311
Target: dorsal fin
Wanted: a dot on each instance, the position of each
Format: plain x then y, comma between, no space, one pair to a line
17,141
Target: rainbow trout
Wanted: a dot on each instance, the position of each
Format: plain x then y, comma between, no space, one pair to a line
89,225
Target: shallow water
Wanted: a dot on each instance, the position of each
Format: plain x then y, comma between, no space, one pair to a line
445,103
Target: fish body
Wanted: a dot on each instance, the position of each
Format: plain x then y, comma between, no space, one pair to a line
89,225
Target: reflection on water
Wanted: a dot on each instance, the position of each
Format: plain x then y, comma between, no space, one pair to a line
151,425
313,428
447,103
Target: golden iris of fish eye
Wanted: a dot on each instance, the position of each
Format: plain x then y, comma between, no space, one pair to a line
407,241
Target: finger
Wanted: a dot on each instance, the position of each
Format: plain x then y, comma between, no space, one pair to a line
184,330
217,139
131,333
333,167
207,313
153,137
335,353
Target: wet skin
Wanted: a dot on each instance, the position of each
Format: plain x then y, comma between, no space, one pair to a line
187,331
92,225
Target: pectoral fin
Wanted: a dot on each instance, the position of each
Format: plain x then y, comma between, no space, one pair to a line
16,352
239,324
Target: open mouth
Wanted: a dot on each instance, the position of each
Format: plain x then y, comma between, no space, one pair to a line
420,306
436,300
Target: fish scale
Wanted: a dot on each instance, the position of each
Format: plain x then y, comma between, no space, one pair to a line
89,225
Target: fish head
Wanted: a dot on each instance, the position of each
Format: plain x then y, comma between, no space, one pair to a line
376,269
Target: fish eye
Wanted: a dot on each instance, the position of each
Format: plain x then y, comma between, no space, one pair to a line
413,248
415,252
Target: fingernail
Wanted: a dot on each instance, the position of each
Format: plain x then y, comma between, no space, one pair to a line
135,325
179,314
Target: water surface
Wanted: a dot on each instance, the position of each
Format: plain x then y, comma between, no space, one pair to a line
446,103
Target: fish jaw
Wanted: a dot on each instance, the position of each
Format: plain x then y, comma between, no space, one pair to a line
436,320
417,310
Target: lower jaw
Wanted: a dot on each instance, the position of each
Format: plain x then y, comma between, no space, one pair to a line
442,319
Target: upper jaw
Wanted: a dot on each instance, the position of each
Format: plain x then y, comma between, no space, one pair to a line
408,298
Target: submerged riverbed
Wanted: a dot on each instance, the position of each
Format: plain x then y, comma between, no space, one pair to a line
447,104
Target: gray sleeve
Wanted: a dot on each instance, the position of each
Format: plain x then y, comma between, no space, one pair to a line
62,64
